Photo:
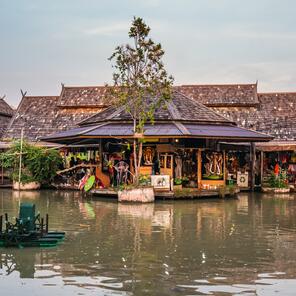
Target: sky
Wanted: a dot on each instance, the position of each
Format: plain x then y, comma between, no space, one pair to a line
46,43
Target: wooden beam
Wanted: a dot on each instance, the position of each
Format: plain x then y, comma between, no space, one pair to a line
253,165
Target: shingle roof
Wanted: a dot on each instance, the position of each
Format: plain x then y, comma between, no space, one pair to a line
222,94
179,108
82,96
275,115
6,113
5,109
35,115
41,115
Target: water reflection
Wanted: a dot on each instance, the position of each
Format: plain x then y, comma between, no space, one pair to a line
243,246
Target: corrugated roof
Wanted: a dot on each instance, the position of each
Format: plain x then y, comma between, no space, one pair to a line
173,129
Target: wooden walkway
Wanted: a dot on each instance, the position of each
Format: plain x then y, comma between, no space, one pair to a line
189,193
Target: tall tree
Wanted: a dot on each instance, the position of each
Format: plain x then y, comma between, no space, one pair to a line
140,82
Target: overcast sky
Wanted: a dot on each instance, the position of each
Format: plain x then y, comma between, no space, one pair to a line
44,43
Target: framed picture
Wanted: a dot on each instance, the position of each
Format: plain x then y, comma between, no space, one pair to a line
160,181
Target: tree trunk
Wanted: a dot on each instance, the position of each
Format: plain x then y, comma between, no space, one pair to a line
136,177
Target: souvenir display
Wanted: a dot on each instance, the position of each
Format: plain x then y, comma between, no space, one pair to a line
212,168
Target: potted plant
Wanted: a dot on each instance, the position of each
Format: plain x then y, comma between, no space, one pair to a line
140,86
278,183
178,183
31,166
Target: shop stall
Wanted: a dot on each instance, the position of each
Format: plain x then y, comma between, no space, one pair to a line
182,147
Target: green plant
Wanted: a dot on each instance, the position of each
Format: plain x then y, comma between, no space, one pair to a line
141,83
178,181
144,180
278,181
38,164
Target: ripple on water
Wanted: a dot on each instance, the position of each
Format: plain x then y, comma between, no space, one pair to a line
230,247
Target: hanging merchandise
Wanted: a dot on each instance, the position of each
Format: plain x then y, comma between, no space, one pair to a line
293,157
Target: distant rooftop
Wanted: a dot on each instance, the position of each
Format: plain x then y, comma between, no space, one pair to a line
213,95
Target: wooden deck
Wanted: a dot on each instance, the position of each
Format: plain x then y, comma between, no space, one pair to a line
188,193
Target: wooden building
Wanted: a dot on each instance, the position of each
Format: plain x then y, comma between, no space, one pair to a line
270,113
184,142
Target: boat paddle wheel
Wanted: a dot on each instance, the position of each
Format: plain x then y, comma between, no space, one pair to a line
28,230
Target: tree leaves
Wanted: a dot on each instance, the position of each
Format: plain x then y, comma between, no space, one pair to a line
38,164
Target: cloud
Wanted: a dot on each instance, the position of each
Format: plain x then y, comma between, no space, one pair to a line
108,30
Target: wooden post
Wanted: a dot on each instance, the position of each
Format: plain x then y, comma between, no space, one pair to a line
1,223
46,223
224,167
253,165
6,221
2,172
261,167
42,225
20,165
199,166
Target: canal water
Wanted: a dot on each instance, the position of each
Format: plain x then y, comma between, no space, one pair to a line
244,246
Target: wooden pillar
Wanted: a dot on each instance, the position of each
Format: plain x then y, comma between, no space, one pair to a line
253,164
261,167
2,173
199,168
224,167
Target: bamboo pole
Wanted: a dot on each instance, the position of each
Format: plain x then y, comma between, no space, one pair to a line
20,166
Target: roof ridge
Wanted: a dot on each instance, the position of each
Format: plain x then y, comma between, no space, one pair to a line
216,84
276,92
47,96
182,128
85,86
173,110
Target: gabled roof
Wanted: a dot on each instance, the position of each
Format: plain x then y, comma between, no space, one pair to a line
5,109
6,113
215,95
35,115
82,96
179,108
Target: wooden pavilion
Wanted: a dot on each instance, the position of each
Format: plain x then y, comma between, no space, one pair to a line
185,142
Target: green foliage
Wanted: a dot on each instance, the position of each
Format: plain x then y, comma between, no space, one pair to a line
280,181
140,76
178,181
38,164
144,180
141,84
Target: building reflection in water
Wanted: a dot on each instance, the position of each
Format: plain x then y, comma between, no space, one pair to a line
145,245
